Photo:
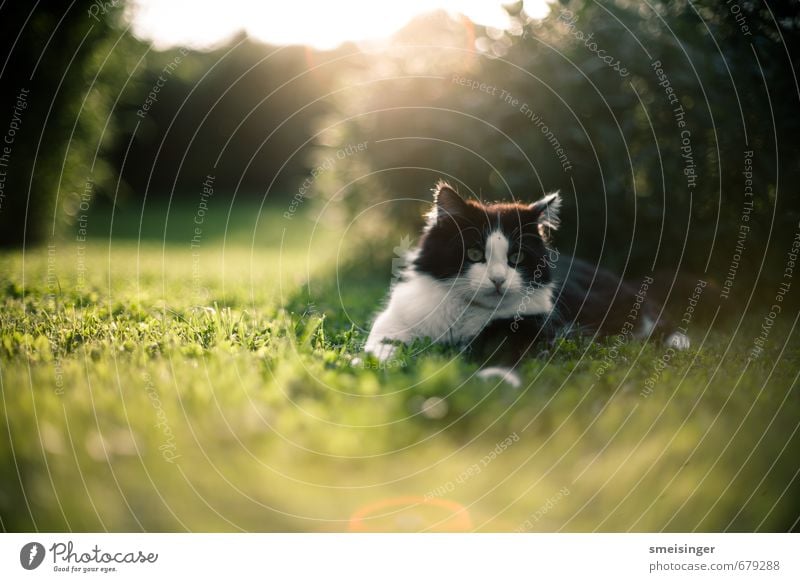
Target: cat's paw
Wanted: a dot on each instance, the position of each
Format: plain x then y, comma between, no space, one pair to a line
382,351
679,341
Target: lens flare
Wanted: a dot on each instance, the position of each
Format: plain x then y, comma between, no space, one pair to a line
411,513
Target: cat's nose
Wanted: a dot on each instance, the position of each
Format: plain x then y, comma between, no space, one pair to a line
498,282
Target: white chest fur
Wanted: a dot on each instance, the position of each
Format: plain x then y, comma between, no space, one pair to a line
422,306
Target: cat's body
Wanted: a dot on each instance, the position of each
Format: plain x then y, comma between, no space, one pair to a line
485,277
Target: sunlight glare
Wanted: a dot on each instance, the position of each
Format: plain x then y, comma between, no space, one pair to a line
321,24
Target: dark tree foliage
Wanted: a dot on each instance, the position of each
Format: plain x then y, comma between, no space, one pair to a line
646,126
243,113
96,112
61,66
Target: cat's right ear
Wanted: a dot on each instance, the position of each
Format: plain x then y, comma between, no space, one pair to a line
447,202
547,210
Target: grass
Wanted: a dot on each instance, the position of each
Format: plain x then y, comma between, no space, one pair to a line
171,389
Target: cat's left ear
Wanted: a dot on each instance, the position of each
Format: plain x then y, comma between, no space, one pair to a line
547,213
447,203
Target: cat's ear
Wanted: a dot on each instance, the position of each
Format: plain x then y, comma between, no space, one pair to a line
547,213
447,202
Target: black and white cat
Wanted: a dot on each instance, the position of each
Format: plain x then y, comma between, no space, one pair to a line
487,277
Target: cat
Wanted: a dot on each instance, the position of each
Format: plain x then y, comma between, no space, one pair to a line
487,277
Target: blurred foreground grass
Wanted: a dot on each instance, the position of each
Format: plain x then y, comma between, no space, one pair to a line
150,386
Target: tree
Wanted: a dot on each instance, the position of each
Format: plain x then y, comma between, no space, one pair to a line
63,63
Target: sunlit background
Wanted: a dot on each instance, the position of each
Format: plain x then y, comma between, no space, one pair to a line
321,24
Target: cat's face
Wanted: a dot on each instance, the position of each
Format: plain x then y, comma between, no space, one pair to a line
488,254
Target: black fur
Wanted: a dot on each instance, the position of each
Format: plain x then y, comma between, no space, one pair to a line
589,301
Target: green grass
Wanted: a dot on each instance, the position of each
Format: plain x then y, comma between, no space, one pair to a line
169,392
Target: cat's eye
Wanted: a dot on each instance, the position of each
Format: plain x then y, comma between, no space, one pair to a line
516,258
475,254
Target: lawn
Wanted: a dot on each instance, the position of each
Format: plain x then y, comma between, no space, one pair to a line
149,385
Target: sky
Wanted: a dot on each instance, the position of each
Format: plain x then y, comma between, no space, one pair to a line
321,24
